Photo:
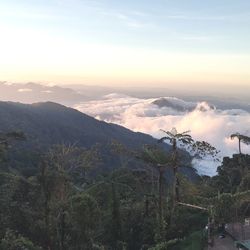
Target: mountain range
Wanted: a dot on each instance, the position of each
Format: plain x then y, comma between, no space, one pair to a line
34,92
71,95
48,124
51,123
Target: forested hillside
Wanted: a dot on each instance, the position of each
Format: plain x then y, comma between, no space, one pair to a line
48,124
54,196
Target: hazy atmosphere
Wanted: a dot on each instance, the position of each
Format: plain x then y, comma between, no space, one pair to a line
125,125
209,115
118,60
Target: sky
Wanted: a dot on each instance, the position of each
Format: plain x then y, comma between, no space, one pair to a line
133,42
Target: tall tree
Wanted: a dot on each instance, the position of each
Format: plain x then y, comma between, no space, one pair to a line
241,160
185,140
160,161
63,172
241,138
174,137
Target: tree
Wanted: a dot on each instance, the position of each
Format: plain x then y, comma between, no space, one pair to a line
120,195
174,137
7,138
246,140
13,241
62,173
158,158
241,138
85,220
184,140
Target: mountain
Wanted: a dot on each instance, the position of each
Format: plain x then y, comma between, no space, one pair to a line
175,104
51,123
47,124
34,92
179,105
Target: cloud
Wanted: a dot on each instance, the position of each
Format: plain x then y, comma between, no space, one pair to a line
150,115
24,90
21,11
132,19
194,16
7,83
198,18
198,38
139,13
47,91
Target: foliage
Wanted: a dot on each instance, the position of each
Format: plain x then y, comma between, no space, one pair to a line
232,174
84,219
12,241
63,206
195,241
6,139
164,245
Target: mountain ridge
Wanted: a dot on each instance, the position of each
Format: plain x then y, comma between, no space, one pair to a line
33,92
47,110
47,124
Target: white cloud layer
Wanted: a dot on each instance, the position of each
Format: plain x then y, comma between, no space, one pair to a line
25,90
150,115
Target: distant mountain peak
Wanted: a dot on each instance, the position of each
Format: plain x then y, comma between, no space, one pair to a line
34,92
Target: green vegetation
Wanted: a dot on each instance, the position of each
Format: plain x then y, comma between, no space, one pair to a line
66,204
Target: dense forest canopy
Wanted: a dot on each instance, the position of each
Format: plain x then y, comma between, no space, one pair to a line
57,196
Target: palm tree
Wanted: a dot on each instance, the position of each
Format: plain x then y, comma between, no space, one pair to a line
241,138
245,139
174,138
198,148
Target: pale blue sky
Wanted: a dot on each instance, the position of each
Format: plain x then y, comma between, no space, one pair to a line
188,27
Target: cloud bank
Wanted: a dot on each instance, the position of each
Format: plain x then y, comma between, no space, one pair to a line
150,115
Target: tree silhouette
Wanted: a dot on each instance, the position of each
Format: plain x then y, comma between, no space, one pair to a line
174,137
241,138
184,139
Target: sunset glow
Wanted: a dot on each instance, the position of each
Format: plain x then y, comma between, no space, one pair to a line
125,43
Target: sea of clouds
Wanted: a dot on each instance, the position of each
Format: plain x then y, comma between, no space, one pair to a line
204,121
